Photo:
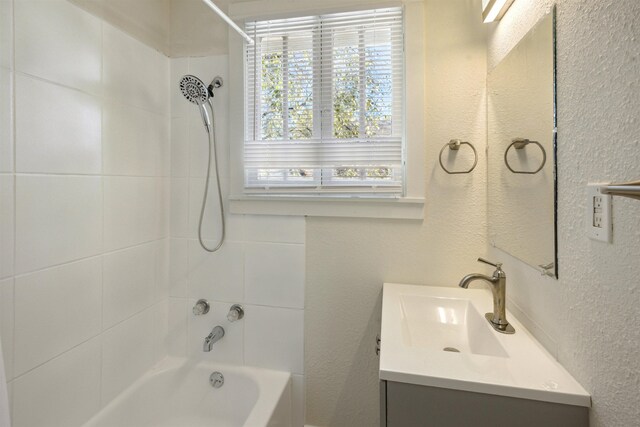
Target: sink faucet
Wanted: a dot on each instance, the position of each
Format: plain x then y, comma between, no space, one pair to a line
498,285
216,335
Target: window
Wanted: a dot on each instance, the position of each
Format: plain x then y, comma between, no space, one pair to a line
324,107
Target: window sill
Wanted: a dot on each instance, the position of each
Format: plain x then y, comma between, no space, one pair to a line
364,207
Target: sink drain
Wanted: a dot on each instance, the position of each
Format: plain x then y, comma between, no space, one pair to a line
451,349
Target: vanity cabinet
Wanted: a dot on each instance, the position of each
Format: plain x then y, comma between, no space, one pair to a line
443,365
410,405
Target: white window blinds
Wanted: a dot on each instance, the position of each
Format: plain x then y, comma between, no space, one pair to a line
325,104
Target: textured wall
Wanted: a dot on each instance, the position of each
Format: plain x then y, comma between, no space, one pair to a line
349,259
590,316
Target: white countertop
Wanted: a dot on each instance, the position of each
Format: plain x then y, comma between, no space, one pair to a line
528,371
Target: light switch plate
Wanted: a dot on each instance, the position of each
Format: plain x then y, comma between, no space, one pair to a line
599,224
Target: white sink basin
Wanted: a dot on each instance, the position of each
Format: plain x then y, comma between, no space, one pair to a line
449,324
438,336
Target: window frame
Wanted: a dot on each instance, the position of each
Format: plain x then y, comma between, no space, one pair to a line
410,205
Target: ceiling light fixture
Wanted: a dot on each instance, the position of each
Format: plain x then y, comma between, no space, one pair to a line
494,10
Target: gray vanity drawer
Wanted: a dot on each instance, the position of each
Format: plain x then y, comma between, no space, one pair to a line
409,405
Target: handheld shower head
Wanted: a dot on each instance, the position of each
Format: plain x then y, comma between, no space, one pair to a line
195,91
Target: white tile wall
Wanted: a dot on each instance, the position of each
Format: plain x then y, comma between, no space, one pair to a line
161,330
134,74
179,268
6,34
58,219
275,229
7,183
180,107
218,275
59,42
131,140
6,325
274,338
211,224
274,274
129,282
6,225
199,143
55,310
62,392
198,138
180,146
163,268
180,207
179,312
163,205
88,198
60,133
6,124
130,214
128,350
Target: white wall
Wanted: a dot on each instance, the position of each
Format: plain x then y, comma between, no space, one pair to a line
349,259
261,264
589,317
178,28
83,224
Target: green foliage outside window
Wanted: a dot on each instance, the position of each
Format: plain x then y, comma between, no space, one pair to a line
348,121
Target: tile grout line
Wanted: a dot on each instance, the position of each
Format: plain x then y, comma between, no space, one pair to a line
98,336
104,98
85,258
12,88
102,183
40,174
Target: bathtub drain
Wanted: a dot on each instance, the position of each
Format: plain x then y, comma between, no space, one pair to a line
216,380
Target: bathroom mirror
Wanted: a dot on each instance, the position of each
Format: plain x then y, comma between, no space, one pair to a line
521,150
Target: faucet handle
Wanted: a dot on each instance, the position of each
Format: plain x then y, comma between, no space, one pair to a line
236,312
201,307
497,265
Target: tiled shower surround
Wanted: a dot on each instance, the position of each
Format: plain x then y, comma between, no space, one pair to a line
261,265
84,163
101,172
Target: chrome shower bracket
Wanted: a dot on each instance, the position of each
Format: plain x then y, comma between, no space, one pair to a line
216,83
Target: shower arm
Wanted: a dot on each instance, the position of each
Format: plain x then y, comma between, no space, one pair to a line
228,20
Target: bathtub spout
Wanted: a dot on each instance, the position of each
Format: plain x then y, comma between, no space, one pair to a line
216,335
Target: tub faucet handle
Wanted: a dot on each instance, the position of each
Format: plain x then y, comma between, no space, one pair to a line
201,307
236,312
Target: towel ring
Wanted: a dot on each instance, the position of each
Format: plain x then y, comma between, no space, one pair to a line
454,145
519,144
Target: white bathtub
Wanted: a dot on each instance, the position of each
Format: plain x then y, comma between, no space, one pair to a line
177,393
